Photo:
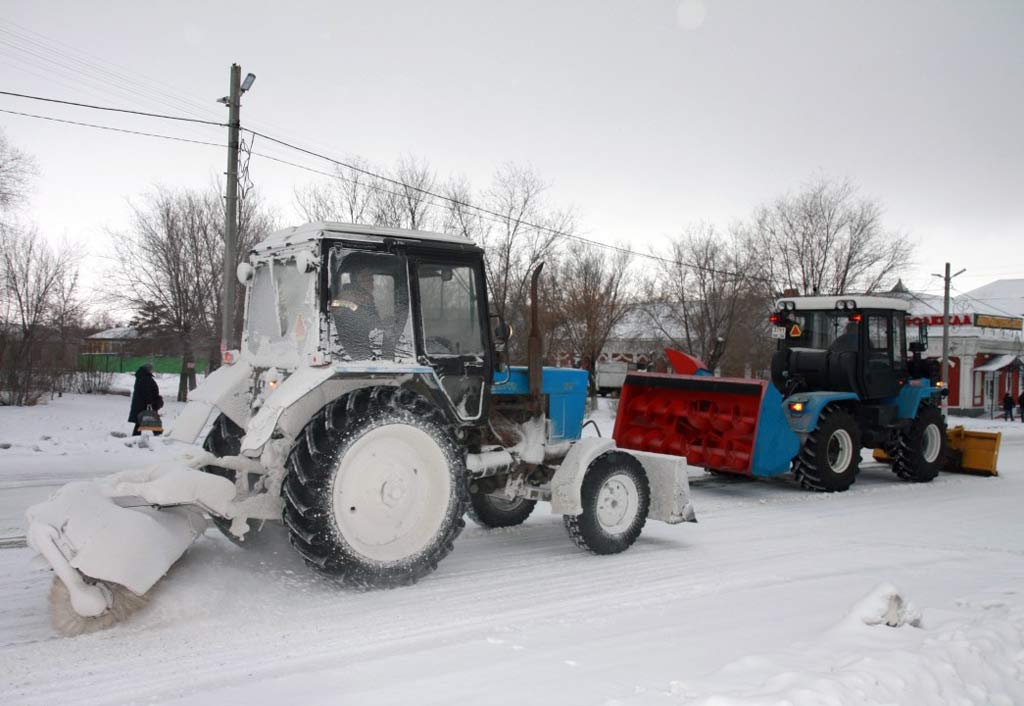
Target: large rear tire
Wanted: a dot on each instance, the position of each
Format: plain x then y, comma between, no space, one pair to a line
921,448
490,511
830,457
376,488
616,497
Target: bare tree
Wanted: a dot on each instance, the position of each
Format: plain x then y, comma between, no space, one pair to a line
594,296
16,172
171,268
461,211
695,298
525,233
347,198
32,277
826,239
416,180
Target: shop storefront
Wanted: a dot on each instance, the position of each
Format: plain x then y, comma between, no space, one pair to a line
986,355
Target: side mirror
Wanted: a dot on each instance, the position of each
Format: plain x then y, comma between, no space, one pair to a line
922,334
245,273
502,334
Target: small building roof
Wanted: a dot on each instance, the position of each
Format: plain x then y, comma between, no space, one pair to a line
115,334
998,363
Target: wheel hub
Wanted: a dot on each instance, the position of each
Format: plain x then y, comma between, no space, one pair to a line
839,451
931,443
617,503
391,492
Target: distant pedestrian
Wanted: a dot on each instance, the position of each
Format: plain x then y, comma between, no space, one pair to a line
146,394
1008,407
1021,401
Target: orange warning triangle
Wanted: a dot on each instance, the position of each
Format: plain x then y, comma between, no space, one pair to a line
795,332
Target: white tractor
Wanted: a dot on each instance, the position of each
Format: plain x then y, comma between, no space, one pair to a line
370,410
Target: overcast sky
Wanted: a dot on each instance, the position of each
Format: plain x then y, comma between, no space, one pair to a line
643,114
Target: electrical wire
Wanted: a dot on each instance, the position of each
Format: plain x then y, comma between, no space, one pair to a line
112,129
92,68
501,217
114,110
968,296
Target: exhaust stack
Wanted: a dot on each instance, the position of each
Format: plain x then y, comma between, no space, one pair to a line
533,345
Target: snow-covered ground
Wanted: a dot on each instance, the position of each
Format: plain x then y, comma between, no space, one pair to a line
777,596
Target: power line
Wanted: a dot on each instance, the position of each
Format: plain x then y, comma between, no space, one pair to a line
1001,311
112,129
114,110
54,55
494,214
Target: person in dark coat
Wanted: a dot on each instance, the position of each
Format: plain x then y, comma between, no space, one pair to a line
145,394
1021,401
1008,407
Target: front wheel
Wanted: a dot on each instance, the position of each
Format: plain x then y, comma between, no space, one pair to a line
225,439
830,456
616,497
921,448
376,489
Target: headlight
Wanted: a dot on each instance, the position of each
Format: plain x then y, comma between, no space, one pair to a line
840,304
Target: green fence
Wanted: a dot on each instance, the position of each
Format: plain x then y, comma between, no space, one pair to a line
111,363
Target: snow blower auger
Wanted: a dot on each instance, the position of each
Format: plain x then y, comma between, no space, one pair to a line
370,409
841,380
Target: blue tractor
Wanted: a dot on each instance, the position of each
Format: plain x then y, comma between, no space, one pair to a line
843,378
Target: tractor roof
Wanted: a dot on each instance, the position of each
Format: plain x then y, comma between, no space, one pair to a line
311,232
861,301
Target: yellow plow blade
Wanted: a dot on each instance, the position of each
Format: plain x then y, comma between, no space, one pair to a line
973,451
969,452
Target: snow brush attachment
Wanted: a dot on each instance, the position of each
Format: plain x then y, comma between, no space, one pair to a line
106,550
121,605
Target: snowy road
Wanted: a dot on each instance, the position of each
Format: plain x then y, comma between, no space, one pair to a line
749,605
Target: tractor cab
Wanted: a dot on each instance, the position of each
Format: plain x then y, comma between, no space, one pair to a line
846,344
362,298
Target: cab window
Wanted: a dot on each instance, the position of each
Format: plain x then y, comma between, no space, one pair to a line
450,307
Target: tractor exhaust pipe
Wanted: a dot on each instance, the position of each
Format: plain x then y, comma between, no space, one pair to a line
533,345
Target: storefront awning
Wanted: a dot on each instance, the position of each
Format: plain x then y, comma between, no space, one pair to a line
998,363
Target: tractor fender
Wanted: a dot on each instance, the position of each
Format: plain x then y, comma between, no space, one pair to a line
290,407
806,421
909,399
225,390
301,394
568,479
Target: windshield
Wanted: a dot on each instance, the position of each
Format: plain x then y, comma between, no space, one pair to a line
369,306
821,330
282,319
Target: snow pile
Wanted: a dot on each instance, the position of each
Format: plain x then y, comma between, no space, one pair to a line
971,656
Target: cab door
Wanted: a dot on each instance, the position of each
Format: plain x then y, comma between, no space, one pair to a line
452,336
881,374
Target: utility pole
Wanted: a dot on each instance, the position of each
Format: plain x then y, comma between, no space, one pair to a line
227,333
234,103
946,278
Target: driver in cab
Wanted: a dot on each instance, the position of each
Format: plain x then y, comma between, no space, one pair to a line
848,341
355,314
